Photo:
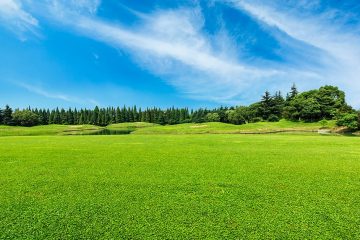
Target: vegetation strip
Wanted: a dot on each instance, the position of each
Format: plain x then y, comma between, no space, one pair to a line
325,104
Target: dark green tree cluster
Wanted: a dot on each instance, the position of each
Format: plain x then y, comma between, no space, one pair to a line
349,120
97,116
6,116
328,103
325,103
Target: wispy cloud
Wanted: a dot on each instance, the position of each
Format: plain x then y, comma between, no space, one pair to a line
172,44
59,96
42,92
16,19
325,30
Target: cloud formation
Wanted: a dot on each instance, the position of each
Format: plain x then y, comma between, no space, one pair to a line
59,96
325,31
172,44
15,18
316,45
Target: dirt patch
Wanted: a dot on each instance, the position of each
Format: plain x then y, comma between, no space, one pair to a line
199,126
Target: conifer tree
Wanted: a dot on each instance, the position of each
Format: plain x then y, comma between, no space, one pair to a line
266,105
7,115
293,93
1,116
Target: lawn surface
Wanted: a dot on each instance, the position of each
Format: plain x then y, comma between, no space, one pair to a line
48,130
150,128
180,187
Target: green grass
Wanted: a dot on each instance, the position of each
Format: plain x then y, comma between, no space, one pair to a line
131,126
47,130
217,128
180,187
150,128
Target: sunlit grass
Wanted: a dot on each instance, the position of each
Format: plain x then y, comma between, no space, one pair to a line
180,187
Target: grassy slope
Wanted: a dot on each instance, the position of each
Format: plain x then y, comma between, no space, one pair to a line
150,128
47,130
230,128
131,126
180,187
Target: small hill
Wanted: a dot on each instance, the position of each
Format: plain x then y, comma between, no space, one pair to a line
224,128
48,130
151,128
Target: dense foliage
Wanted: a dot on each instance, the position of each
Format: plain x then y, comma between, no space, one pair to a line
325,103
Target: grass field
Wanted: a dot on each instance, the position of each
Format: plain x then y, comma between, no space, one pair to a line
219,128
180,187
48,130
150,128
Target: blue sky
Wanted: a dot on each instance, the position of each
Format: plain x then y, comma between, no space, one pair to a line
193,53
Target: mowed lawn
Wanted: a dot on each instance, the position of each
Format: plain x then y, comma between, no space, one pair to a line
180,187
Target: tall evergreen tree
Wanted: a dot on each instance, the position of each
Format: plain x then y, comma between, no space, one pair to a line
7,115
278,104
292,94
1,116
57,118
266,105
95,116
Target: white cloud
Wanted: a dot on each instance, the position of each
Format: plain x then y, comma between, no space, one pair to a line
15,18
62,8
172,44
59,96
42,92
324,31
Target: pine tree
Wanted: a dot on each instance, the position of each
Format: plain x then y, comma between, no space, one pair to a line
278,104
57,118
117,115
7,115
81,119
266,105
95,116
70,117
293,93
76,116
63,117
1,116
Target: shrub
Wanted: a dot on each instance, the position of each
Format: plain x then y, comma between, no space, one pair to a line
256,119
348,120
273,118
25,118
213,117
324,123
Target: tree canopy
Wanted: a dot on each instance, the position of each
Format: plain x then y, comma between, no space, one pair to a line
327,102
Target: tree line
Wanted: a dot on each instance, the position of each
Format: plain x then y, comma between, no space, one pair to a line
325,103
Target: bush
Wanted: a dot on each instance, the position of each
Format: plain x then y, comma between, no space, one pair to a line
324,123
213,117
235,117
25,118
273,118
256,119
348,120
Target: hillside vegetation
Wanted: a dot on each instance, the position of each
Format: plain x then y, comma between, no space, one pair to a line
48,130
326,103
151,128
217,128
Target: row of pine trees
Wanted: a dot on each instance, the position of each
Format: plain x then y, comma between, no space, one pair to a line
101,116
327,102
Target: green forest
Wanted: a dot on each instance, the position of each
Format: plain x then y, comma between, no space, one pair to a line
325,103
